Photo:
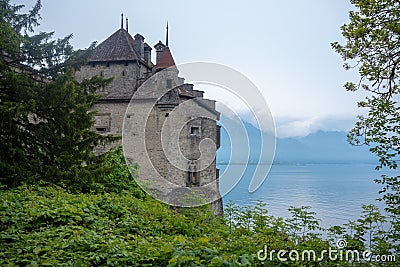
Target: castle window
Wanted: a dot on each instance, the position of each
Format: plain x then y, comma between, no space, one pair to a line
218,136
101,129
123,73
102,122
193,179
101,73
126,63
108,64
93,65
195,130
169,83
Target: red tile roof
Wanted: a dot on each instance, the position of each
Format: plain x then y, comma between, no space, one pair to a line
166,60
117,47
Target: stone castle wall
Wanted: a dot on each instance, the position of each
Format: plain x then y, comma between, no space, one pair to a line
112,111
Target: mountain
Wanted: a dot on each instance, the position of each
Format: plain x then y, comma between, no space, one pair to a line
319,147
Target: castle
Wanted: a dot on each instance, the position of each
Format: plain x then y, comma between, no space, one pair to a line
129,61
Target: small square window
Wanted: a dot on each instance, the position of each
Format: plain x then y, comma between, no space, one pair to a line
169,83
195,130
102,123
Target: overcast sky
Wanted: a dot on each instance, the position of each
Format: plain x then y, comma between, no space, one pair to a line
282,46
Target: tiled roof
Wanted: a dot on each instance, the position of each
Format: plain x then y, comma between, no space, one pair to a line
166,60
117,47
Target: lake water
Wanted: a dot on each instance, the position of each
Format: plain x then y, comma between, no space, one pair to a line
335,192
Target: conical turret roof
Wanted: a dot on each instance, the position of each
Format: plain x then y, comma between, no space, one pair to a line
117,47
166,60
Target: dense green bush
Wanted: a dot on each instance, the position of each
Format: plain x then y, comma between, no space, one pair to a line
118,176
46,225
49,226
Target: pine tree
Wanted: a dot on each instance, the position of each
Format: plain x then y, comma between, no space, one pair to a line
45,123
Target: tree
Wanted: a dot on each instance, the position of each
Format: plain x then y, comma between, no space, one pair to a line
373,47
44,119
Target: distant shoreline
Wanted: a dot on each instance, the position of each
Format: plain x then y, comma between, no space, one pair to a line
297,163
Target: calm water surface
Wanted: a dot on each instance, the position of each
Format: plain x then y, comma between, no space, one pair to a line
334,191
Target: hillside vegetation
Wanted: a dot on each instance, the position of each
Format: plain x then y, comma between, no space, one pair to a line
117,224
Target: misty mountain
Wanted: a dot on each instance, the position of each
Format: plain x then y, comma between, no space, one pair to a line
319,147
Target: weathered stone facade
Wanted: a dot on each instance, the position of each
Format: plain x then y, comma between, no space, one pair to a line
128,61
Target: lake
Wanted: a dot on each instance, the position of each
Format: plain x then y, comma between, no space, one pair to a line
335,192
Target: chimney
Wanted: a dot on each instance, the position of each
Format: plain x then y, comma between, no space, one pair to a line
147,53
159,50
139,45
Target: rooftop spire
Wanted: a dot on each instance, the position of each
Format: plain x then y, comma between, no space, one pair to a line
166,39
122,20
126,24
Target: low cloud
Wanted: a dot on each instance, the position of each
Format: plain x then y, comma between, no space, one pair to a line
297,127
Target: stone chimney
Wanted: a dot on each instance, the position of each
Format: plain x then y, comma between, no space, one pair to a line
147,53
159,50
139,45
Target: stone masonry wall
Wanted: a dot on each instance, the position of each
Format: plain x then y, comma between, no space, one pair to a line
112,110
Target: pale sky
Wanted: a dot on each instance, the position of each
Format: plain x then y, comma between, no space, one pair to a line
282,46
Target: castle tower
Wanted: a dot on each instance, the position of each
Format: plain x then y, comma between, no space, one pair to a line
128,61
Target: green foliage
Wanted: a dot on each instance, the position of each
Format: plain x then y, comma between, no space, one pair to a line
49,226
45,124
303,222
46,225
380,130
392,199
118,177
373,47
